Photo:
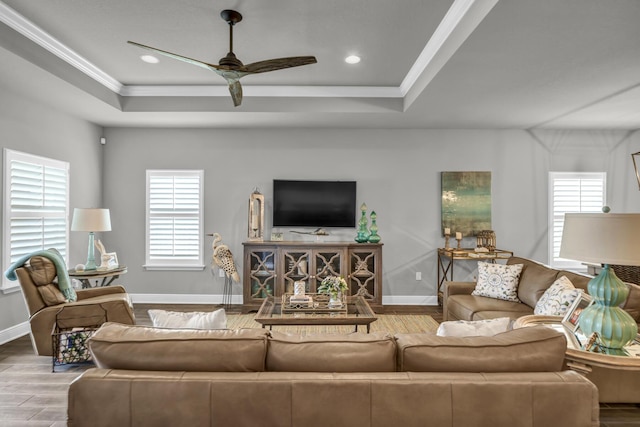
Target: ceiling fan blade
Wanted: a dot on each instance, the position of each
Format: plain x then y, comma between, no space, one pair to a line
235,88
206,65
279,64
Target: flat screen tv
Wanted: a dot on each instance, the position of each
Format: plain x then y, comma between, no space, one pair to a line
314,203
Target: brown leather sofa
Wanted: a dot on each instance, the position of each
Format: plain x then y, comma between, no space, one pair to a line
44,302
252,377
535,279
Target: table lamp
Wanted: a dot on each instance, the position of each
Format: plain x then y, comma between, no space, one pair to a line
91,220
604,239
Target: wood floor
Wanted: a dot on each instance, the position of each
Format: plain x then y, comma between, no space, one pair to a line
30,395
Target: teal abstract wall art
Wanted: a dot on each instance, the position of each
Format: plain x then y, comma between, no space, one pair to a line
466,202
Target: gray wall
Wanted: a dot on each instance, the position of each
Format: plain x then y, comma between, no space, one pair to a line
398,175
31,127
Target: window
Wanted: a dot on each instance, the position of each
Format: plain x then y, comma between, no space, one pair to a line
35,207
174,220
572,192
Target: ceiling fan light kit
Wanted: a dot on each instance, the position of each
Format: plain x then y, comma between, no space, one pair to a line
230,67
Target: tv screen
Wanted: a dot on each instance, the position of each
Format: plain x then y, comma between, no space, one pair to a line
314,203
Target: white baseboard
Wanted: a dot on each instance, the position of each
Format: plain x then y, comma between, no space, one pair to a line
237,299
16,331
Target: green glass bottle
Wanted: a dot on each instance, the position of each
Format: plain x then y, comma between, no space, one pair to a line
363,233
374,237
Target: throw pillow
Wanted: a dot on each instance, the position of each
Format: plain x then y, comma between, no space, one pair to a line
498,281
557,299
477,328
189,320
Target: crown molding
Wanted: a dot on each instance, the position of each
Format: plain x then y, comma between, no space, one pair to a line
37,35
264,91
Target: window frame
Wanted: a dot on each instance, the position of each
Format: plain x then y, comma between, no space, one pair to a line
170,263
558,262
8,214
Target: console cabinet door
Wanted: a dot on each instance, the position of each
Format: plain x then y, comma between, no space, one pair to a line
260,268
365,272
310,266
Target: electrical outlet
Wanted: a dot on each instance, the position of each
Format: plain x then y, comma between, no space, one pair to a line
221,273
418,275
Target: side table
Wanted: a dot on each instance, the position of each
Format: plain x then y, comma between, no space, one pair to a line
617,377
107,276
448,256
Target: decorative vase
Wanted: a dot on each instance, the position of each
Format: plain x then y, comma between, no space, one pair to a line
614,326
363,233
335,300
373,230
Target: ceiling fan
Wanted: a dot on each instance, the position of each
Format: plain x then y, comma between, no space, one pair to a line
230,67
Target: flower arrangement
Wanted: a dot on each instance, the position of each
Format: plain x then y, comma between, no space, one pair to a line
332,285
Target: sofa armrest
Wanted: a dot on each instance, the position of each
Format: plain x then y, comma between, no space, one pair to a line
96,292
454,288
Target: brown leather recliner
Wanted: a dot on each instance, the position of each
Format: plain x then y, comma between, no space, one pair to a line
44,301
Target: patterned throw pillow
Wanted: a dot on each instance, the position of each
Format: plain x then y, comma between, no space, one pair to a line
557,299
498,281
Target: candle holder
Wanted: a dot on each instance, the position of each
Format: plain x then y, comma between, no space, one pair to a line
446,241
459,242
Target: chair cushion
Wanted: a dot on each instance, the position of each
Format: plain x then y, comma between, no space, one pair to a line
216,319
375,352
43,273
498,281
144,348
532,349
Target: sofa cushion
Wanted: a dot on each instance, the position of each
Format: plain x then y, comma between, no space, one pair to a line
477,328
118,346
375,352
216,319
469,307
534,280
532,349
558,298
498,281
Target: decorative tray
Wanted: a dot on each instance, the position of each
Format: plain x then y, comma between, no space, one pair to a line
317,303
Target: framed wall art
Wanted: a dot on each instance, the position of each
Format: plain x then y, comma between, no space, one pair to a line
466,202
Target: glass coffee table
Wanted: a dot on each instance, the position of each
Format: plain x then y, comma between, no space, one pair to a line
357,313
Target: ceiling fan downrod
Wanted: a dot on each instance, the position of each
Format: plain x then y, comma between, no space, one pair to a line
231,17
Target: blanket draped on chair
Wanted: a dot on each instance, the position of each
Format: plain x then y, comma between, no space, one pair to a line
64,283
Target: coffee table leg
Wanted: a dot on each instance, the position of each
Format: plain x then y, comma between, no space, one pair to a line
368,328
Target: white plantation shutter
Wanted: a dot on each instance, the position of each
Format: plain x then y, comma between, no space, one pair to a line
572,192
36,206
174,219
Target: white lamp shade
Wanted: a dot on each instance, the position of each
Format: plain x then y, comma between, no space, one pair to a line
605,238
91,220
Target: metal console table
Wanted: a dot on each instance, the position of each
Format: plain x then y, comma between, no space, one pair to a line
448,257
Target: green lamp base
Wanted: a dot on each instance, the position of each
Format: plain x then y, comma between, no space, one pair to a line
614,326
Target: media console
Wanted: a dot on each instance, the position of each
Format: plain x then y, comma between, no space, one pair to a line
272,268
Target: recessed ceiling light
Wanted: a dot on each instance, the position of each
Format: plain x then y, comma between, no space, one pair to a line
352,59
150,59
